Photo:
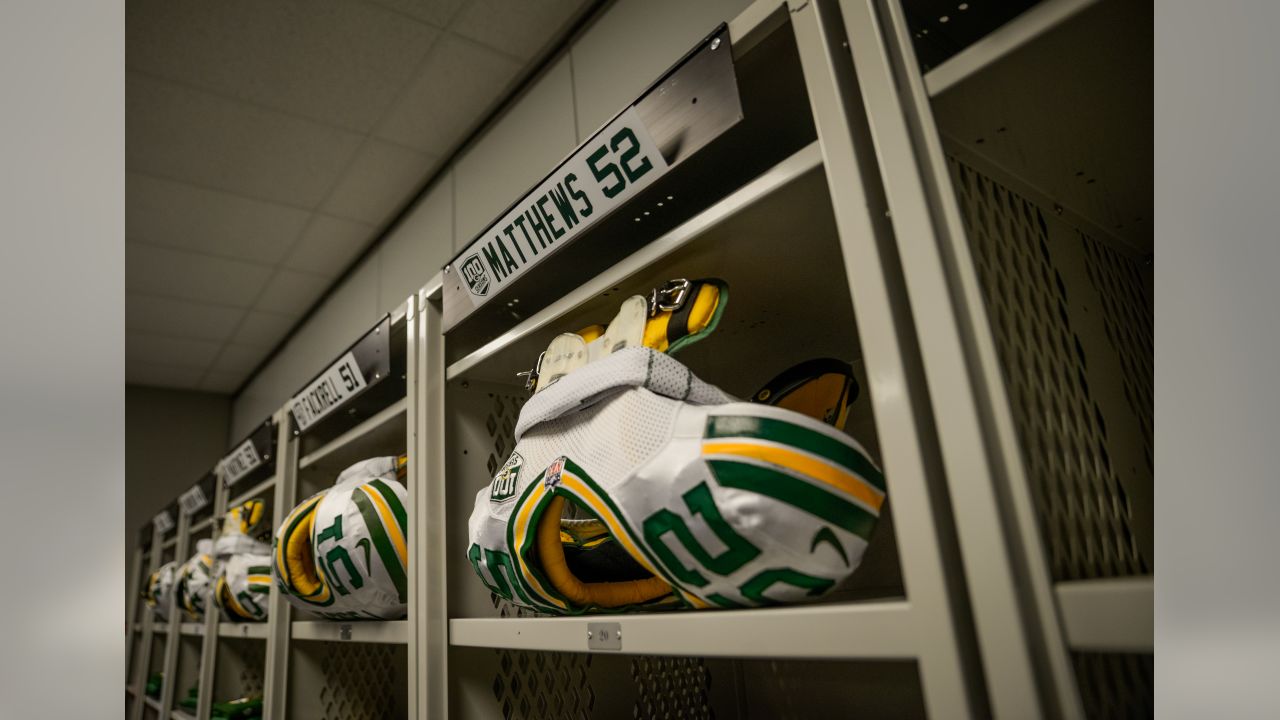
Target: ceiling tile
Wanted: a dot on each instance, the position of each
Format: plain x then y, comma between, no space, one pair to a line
436,12
263,329
338,62
515,27
292,292
164,212
179,318
222,382
143,373
189,135
239,358
378,182
171,351
458,83
176,273
328,245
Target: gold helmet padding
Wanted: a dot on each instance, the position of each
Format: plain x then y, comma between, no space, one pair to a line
822,388
551,556
294,561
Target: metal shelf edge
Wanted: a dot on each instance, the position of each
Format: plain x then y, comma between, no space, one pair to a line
253,491
882,629
1109,615
195,629
389,413
1005,39
779,175
243,630
395,632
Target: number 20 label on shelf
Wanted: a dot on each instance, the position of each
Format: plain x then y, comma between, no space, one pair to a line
618,162
341,381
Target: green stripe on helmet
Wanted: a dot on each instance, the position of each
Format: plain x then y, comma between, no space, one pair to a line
381,542
393,502
796,492
780,431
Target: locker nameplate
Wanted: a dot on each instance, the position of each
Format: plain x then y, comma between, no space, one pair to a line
362,366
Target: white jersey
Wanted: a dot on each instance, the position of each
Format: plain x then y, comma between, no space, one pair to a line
195,578
160,589
733,504
243,587
343,553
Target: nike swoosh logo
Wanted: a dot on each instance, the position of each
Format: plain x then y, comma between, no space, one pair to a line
827,535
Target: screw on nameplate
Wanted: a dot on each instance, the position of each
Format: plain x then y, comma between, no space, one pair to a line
604,636
344,632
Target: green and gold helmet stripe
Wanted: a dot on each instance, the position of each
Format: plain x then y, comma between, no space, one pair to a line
375,517
810,440
783,486
805,464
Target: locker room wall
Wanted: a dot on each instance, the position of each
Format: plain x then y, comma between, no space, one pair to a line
621,51
172,438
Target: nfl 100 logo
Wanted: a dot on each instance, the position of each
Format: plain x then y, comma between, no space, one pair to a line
473,272
504,483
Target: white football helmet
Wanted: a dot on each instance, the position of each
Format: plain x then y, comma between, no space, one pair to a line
243,529
160,588
634,484
243,587
194,579
343,552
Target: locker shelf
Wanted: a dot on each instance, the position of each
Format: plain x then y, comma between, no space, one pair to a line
1019,31
394,632
1113,615
243,630
499,360
253,492
855,630
153,703
180,715
201,525
160,629
191,628
131,689
355,444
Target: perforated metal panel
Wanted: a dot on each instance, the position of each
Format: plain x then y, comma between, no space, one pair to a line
1041,280
1115,685
501,424
671,687
543,685
359,682
252,656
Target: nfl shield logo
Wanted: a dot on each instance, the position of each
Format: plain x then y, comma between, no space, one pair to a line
473,272
551,478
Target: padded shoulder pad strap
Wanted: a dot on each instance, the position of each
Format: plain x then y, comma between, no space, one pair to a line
628,368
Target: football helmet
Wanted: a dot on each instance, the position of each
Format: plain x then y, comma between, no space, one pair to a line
634,484
243,587
160,588
244,530
194,578
343,552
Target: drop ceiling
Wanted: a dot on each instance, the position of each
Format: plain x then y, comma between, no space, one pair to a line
269,143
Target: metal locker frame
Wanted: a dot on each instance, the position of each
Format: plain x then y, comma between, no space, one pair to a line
988,629
931,626
1026,624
